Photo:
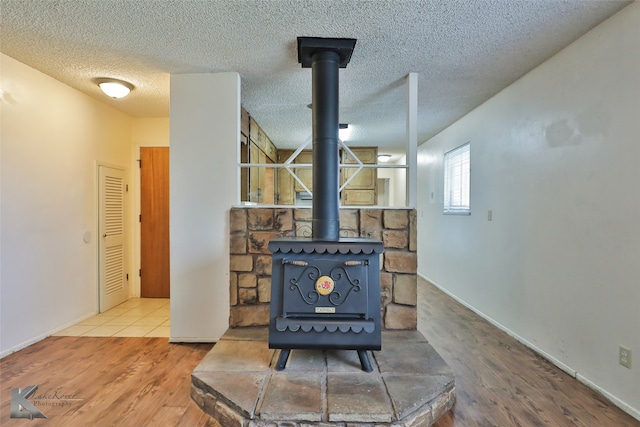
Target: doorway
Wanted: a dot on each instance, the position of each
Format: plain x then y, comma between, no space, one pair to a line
154,222
112,280
383,191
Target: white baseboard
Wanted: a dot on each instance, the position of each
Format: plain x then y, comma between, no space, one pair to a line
40,337
616,401
619,403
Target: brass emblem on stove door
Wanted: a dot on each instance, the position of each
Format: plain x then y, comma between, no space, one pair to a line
325,285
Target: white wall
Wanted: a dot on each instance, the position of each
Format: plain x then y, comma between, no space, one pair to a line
556,157
205,136
51,139
397,182
50,148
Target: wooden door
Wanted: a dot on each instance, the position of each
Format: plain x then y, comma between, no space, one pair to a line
304,174
113,286
284,181
154,222
361,190
286,195
254,174
267,181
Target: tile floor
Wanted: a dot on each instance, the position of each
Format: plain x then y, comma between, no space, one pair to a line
137,317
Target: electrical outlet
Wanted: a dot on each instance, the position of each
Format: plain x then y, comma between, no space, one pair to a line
624,357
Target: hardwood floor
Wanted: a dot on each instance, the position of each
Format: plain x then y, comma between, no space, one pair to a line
85,381
499,381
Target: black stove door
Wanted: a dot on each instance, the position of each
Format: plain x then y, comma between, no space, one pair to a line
326,287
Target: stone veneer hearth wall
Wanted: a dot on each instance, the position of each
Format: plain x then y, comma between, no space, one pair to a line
251,228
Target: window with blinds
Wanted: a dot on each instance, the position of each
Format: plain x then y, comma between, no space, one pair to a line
457,180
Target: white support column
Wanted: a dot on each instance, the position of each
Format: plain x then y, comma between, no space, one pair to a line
205,134
412,139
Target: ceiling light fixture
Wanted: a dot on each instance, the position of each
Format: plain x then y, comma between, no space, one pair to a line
383,158
344,132
114,88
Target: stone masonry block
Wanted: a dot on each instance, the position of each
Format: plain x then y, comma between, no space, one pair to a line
371,223
386,288
303,214
227,417
233,288
209,404
263,265
395,219
197,396
400,262
349,220
400,317
397,239
260,219
405,289
442,404
264,289
241,263
303,229
413,231
259,241
348,233
238,243
247,296
249,315
238,220
247,280
283,220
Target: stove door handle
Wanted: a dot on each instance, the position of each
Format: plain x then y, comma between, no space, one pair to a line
297,262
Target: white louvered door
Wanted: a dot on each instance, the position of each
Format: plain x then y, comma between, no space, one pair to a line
113,284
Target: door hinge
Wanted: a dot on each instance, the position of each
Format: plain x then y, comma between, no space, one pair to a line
126,188
127,277
140,273
140,218
139,163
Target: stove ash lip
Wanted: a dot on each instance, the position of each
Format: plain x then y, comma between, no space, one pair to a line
294,326
308,245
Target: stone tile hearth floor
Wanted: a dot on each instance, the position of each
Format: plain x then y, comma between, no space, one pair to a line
236,384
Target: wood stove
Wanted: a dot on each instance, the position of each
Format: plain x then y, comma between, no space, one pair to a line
325,291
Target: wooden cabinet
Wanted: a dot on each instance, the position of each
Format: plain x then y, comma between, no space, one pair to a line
244,122
285,195
305,174
359,197
361,189
285,181
258,184
267,185
261,178
244,154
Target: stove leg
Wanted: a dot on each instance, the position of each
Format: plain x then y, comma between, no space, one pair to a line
282,359
364,361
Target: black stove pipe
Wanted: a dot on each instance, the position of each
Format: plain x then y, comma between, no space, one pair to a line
326,210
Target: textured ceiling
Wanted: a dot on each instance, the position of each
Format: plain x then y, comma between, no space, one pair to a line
464,51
